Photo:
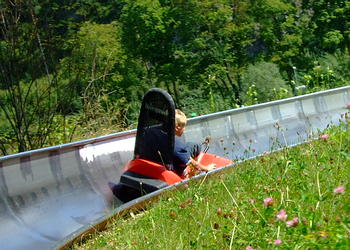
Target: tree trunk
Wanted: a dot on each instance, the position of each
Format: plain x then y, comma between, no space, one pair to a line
235,87
176,94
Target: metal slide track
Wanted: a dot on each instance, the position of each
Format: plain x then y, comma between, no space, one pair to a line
49,195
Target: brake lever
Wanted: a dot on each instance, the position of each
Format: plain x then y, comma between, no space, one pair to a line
206,142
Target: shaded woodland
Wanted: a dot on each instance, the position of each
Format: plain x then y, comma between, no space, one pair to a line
77,69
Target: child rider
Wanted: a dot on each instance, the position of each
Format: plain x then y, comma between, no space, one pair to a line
185,153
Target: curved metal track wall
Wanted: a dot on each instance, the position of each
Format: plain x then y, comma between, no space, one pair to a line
49,195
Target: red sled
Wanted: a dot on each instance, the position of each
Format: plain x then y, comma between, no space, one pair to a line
145,174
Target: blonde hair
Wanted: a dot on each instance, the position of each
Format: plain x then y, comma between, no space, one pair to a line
180,118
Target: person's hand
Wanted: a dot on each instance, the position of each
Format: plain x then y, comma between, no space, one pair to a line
201,167
194,164
211,167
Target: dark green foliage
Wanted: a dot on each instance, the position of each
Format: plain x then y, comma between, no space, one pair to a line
331,21
86,64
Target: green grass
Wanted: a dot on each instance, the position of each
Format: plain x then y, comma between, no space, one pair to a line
227,210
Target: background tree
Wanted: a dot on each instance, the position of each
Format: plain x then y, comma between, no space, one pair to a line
80,68
331,24
99,73
30,92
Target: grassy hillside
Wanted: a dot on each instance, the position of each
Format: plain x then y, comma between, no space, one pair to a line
295,198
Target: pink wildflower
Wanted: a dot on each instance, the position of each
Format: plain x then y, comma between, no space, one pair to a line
250,248
339,190
282,215
278,242
251,201
293,223
324,137
348,105
268,202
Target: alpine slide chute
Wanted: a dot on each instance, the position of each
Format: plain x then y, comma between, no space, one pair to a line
50,196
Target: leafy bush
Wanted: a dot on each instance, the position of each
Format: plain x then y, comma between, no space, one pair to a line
329,71
7,136
339,63
263,82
